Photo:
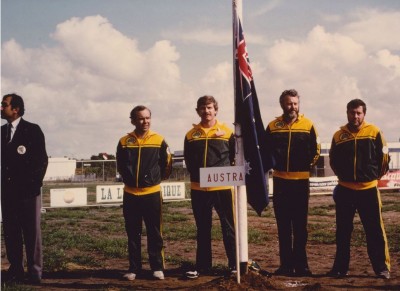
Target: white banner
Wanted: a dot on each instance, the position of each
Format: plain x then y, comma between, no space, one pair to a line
173,190
109,193
115,193
222,176
68,197
323,183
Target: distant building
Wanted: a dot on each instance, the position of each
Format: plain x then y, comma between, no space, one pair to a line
60,169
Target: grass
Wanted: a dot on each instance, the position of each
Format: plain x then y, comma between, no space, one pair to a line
89,236
322,233
325,210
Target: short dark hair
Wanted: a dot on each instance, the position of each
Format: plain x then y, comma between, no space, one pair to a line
355,103
138,108
290,92
16,102
207,99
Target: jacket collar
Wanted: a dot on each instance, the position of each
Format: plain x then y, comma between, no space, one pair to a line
363,125
149,133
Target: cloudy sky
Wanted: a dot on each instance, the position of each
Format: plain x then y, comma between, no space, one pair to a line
81,66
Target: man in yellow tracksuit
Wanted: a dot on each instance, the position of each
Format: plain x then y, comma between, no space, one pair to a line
292,141
210,144
359,157
143,160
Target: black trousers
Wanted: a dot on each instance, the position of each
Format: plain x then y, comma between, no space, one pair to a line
202,204
147,208
21,224
290,201
368,205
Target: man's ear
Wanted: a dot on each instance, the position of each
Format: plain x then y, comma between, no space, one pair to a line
15,110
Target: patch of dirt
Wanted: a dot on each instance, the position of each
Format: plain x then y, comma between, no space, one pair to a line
320,257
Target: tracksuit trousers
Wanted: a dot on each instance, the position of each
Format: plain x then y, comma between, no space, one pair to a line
147,208
290,201
368,205
202,204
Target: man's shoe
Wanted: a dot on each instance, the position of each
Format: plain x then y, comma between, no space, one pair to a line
385,274
192,274
284,271
253,266
13,277
158,275
337,274
130,276
34,279
303,272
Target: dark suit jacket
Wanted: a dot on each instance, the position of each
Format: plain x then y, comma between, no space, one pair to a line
23,161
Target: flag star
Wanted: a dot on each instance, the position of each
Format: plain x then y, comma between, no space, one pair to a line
247,167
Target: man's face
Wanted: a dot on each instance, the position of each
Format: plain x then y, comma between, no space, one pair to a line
355,116
207,112
142,121
290,107
6,111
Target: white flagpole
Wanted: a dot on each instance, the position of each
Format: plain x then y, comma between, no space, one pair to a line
241,227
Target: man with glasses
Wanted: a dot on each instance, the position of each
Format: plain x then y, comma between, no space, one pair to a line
23,166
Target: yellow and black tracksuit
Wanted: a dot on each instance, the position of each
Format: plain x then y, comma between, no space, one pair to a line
295,149
143,163
211,147
359,160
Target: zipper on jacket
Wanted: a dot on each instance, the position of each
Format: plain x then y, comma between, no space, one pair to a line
288,151
205,150
138,163
355,157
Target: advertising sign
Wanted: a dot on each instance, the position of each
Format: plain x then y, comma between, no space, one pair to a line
68,197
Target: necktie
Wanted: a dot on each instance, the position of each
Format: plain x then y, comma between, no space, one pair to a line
8,136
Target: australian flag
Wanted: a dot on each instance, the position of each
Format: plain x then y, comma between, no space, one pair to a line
247,114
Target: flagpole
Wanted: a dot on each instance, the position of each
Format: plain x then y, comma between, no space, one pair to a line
241,227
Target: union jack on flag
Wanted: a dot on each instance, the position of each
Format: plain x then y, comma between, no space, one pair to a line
247,114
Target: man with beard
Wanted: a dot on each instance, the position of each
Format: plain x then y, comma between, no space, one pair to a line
359,157
210,144
293,143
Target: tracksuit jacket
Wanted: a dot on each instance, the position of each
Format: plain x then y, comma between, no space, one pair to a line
295,148
143,163
359,159
214,148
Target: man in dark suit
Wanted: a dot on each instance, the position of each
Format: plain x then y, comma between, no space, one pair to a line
23,166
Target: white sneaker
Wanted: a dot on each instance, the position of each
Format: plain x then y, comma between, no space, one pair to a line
192,274
158,275
130,276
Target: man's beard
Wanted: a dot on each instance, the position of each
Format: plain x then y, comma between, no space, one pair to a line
292,114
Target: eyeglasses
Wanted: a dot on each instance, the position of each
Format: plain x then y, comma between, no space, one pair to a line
5,104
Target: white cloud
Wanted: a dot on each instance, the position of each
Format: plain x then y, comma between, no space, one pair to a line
375,29
330,69
389,61
81,90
